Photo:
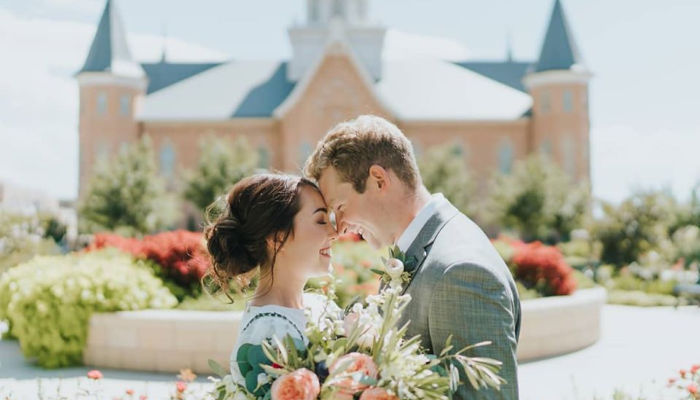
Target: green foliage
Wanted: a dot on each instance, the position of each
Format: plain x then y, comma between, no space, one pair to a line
538,201
126,195
636,226
221,164
686,242
21,238
49,300
444,171
640,298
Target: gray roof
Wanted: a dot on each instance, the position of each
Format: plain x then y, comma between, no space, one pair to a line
109,51
559,51
235,89
425,89
509,73
163,74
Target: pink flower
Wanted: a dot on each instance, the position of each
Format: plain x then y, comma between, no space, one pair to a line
143,397
94,374
301,384
181,386
692,388
376,393
358,363
682,373
694,368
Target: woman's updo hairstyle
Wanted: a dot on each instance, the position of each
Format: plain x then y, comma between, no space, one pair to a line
257,208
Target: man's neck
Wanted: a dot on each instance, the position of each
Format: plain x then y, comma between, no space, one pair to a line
413,204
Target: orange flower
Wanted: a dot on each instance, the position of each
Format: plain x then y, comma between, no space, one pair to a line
187,375
682,373
130,392
376,393
301,384
358,363
181,386
94,374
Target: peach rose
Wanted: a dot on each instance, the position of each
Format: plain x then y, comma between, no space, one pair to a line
376,393
94,374
358,363
301,384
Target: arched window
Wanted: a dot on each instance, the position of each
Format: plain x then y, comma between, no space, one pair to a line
505,157
125,105
568,101
167,160
568,150
101,103
263,157
545,106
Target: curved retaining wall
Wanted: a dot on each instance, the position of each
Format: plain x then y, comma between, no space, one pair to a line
169,340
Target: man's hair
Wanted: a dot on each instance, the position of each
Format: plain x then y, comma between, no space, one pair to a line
352,147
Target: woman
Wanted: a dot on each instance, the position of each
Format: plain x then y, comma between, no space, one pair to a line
279,224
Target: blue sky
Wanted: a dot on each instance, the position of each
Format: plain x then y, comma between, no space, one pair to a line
645,117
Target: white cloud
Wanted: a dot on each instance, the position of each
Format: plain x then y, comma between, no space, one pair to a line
401,45
39,96
625,159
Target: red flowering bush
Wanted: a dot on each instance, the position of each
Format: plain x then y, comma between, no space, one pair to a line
180,255
543,268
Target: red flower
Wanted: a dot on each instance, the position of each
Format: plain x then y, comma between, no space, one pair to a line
694,368
275,365
544,268
692,388
94,374
181,386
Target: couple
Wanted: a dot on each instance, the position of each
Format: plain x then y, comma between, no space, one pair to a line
364,171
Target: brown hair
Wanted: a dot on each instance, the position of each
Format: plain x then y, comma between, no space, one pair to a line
257,208
352,147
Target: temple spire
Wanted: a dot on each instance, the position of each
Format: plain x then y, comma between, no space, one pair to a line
559,50
109,51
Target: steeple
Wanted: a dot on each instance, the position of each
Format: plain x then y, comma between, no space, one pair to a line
559,51
109,51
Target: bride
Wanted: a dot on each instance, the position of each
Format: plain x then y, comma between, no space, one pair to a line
278,224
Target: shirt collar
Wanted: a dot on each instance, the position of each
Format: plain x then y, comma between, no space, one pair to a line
412,230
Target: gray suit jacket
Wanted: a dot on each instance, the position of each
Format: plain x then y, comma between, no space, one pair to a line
463,287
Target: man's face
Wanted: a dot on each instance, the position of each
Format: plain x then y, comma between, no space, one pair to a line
354,212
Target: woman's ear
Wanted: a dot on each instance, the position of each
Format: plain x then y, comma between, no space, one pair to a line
274,242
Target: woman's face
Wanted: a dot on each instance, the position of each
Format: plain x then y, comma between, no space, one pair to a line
309,248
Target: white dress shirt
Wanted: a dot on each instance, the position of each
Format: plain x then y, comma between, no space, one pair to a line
412,230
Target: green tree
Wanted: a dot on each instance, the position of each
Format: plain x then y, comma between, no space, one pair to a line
635,226
126,195
538,201
221,164
444,171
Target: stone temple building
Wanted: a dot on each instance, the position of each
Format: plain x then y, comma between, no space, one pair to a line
496,112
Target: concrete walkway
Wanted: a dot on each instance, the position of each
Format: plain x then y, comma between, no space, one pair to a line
639,349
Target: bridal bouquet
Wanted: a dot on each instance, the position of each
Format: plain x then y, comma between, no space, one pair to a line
362,355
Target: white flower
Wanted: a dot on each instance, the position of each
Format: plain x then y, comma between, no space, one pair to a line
394,267
263,378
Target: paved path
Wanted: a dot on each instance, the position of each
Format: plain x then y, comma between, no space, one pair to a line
638,350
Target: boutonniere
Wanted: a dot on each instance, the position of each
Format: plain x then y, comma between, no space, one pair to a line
398,268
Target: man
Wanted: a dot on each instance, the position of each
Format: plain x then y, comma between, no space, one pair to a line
460,285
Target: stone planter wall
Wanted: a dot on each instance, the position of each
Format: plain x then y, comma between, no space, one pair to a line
161,340
169,340
562,324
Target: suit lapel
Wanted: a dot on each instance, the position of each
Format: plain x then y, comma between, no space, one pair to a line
424,241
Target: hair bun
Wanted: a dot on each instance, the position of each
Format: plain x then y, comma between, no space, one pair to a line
229,246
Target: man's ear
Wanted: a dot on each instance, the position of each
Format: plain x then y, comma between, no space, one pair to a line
378,176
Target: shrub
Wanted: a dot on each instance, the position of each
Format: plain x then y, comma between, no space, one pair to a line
221,164
127,195
638,225
686,241
49,300
21,238
544,269
538,201
181,256
444,171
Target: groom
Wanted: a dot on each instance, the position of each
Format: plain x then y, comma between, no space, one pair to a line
460,286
